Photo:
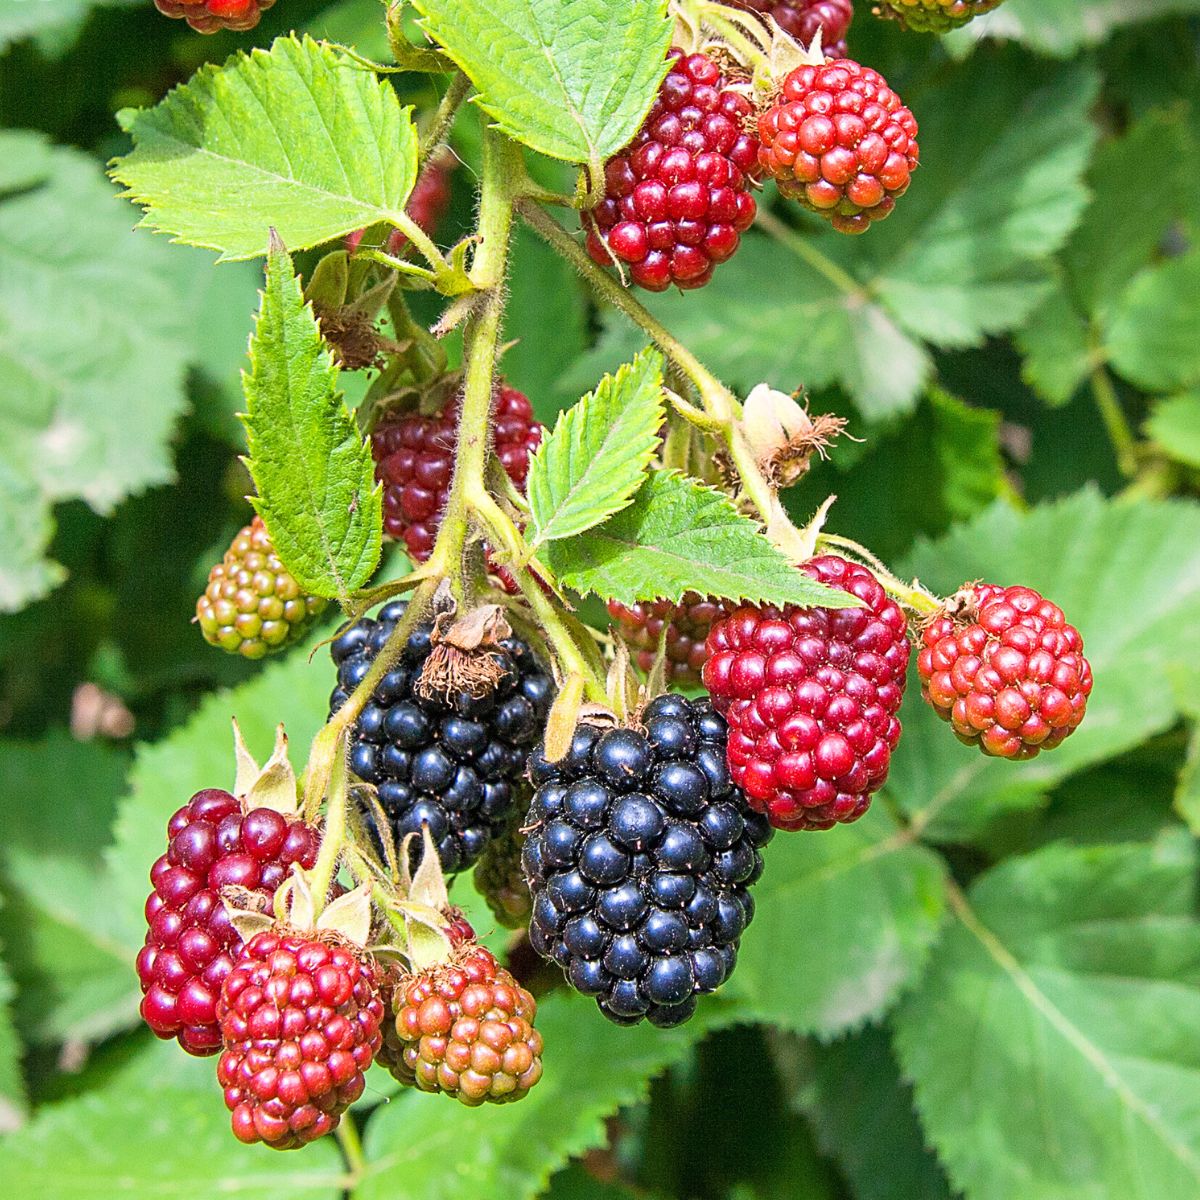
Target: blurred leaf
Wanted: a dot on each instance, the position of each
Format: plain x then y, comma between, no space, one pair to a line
574,1182
22,18
157,1128
592,1069
1062,27
1153,332
310,464
1056,347
92,388
1051,1041
863,1114
1128,577
569,78
68,950
595,460
881,892
963,255
679,536
1175,425
290,138
199,754
12,1086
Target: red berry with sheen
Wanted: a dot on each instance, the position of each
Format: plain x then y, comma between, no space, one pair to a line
811,696
803,18
300,1018
211,16
414,460
839,141
1002,665
677,198
191,944
687,625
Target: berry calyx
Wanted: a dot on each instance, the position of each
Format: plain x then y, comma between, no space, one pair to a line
414,460
213,843
451,762
687,625
211,16
804,19
1004,668
811,695
677,198
465,1028
640,857
933,16
838,140
252,605
300,1017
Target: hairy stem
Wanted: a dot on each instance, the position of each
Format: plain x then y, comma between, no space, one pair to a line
911,596
443,117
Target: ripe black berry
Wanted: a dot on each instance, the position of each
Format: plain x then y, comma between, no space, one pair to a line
449,764
640,855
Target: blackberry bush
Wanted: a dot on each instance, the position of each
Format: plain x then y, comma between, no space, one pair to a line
449,763
640,857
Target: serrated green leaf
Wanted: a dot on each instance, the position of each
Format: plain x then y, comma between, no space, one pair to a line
1153,332
596,458
569,78
679,536
1128,577
964,255
92,389
1175,425
294,138
1051,1041
311,466
869,1128
591,1069
157,1127
1054,343
68,950
883,894
1062,27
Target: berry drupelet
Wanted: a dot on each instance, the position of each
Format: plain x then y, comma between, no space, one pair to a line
191,943
300,1018
252,605
803,19
933,16
450,764
1002,665
640,857
677,198
838,140
811,695
211,16
414,460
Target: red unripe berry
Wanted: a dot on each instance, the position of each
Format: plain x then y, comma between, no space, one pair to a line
811,696
427,203
211,16
839,141
687,625
803,18
1002,665
190,942
677,198
300,1017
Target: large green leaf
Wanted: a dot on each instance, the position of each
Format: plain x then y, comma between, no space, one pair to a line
1128,577
157,1127
68,950
1175,425
591,1069
21,18
311,466
596,458
295,138
963,256
12,1086
1052,1042
679,536
870,883
571,78
92,388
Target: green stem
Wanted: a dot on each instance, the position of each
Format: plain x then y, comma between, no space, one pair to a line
803,248
443,118
351,1144
719,403
912,596
1113,415
333,837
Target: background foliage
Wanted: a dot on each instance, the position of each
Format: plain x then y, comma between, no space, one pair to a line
991,984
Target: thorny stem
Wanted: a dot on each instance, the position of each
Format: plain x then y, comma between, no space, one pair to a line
912,595
719,403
